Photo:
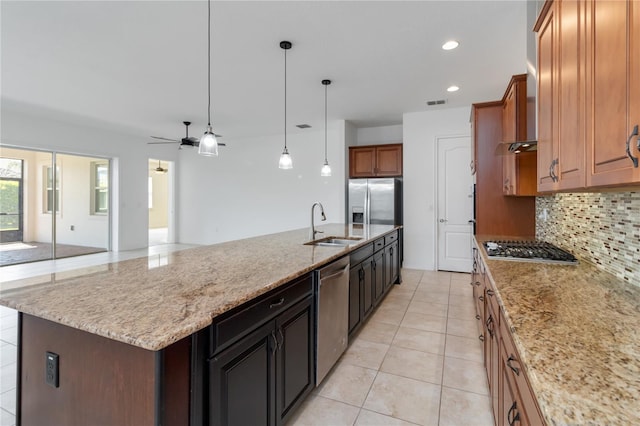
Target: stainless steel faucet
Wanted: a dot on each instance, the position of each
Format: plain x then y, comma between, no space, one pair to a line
312,231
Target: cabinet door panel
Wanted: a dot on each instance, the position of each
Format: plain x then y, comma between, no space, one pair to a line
612,98
389,161
241,381
362,162
355,295
378,276
546,103
571,88
509,135
367,286
294,362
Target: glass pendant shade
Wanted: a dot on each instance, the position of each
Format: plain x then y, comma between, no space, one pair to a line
285,160
208,144
326,169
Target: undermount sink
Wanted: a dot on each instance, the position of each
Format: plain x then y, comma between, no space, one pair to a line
334,241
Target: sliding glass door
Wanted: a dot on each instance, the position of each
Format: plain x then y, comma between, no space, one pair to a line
11,203
52,205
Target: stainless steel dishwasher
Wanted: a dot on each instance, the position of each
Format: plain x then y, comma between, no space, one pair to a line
332,310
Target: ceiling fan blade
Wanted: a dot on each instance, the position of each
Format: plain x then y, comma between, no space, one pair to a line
160,143
164,139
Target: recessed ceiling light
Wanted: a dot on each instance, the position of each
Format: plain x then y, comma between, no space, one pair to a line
450,45
453,89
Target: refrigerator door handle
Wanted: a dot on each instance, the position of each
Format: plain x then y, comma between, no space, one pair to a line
367,205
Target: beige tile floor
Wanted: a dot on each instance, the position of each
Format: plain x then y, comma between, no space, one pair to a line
417,361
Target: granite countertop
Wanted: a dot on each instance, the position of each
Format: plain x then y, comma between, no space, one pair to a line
577,329
152,303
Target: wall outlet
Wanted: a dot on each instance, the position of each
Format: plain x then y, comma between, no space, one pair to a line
544,216
51,369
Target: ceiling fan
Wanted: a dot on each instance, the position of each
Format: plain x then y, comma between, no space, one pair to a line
160,169
186,141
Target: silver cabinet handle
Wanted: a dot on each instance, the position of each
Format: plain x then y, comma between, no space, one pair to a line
443,220
629,154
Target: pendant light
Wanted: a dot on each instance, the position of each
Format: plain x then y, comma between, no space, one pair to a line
326,169
285,159
208,144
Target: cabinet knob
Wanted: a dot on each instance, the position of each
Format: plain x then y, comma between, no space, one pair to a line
629,154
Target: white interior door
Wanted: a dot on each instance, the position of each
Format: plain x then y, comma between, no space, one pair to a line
455,204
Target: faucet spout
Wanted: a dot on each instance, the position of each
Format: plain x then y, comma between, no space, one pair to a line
312,231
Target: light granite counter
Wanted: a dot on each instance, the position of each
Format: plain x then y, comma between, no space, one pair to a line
577,329
153,302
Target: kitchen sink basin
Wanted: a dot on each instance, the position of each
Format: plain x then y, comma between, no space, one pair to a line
334,241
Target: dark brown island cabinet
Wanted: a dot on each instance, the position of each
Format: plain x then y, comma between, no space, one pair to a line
254,365
374,269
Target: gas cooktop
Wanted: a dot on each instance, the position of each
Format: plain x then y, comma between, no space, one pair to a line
528,251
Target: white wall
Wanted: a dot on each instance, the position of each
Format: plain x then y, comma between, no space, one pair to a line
379,135
243,193
420,130
26,127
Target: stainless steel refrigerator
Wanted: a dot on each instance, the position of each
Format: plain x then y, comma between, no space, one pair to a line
375,201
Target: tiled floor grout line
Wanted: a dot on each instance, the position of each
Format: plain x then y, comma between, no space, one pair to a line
444,354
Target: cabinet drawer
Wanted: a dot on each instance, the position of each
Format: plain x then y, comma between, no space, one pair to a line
388,239
361,254
235,324
378,244
515,369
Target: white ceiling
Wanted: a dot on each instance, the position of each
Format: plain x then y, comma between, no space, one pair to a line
141,66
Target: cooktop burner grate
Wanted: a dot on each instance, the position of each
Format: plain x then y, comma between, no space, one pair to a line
532,251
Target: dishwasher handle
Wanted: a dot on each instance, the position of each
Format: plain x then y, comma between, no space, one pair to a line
335,274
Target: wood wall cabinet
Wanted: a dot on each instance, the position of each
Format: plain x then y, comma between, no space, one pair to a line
561,97
375,161
496,214
613,66
588,78
518,169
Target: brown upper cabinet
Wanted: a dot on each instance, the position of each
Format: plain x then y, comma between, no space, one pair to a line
518,168
588,85
375,161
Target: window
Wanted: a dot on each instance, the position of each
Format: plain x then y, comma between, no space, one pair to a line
49,189
99,187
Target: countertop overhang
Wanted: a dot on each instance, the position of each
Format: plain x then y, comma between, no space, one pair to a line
577,329
152,302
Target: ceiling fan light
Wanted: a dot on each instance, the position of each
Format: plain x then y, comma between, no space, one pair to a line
326,169
285,160
208,144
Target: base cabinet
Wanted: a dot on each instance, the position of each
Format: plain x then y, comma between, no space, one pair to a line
374,268
260,375
512,400
242,382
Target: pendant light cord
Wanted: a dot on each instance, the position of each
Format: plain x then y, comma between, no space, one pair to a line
285,99
209,63
325,123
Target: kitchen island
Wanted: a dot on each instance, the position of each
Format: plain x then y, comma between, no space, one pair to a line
128,334
575,331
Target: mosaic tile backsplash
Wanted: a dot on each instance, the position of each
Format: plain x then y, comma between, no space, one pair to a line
601,228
